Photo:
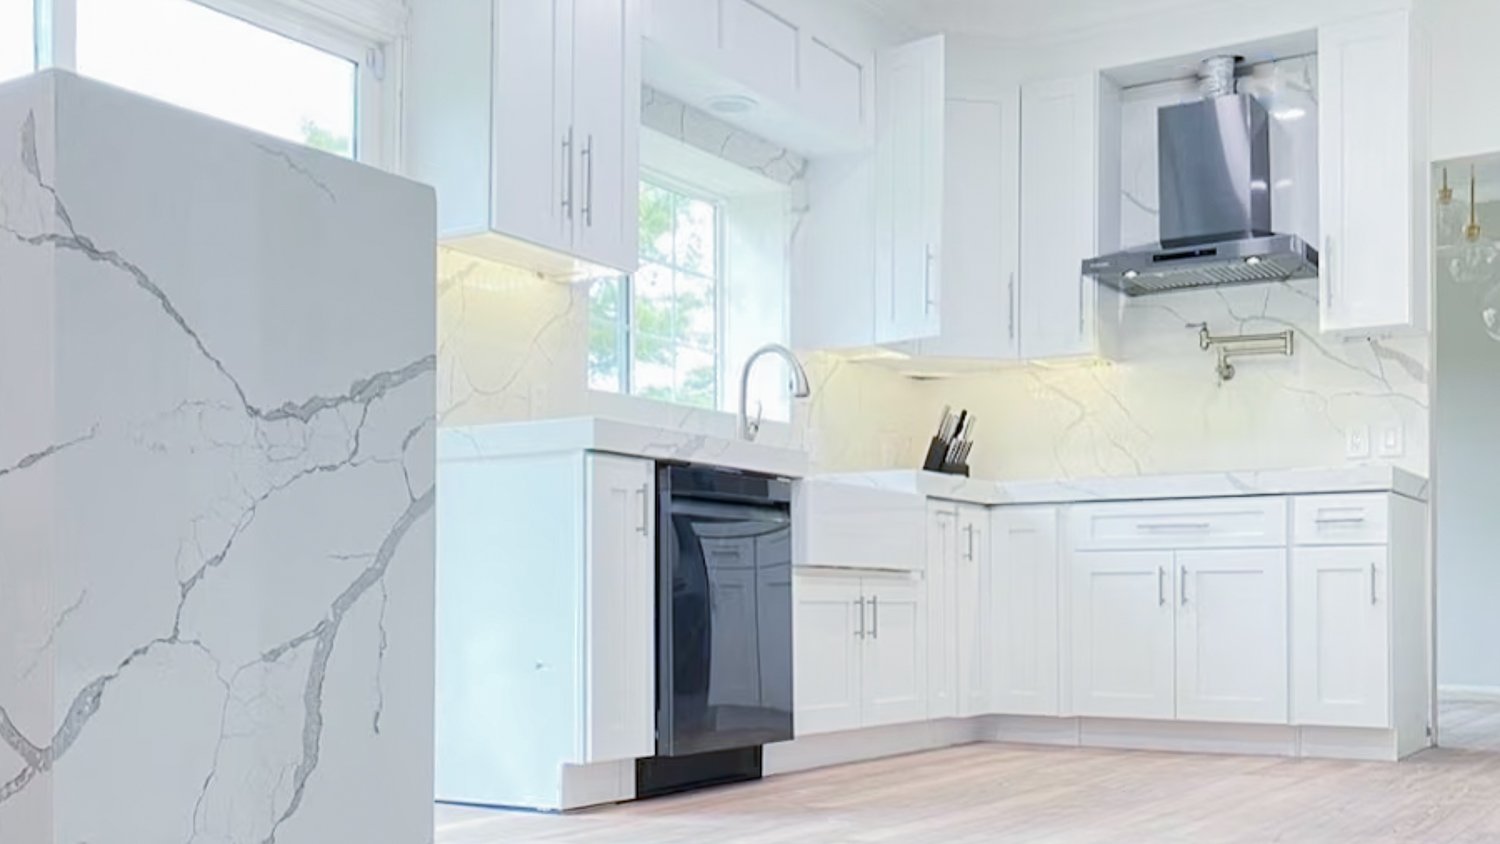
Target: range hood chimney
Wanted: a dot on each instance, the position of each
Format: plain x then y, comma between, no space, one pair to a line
1214,172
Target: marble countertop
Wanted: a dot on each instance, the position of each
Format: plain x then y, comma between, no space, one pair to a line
612,436
1139,487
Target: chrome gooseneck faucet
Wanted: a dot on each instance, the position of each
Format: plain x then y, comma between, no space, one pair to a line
800,389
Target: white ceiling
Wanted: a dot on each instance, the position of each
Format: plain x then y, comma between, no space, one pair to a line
1019,18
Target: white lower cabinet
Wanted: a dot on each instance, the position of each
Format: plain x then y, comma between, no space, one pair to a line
860,651
972,614
1123,630
1341,642
942,626
1024,611
1232,635
1191,635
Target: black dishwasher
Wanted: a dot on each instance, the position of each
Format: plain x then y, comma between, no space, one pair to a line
723,626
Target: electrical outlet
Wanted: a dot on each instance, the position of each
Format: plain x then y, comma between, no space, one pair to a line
1357,442
1392,442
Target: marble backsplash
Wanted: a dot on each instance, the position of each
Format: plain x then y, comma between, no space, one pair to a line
1160,407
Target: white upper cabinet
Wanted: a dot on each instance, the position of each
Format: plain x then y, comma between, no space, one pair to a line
802,81
909,151
525,116
977,308
1375,207
1059,179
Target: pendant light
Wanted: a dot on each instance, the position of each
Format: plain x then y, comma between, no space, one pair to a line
1477,258
1450,218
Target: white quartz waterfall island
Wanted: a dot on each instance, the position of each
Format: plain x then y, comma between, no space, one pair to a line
216,482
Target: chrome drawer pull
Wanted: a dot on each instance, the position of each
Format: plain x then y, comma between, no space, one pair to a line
1339,520
1175,526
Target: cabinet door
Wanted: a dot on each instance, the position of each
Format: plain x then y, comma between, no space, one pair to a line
909,191
1232,635
828,632
1340,637
1372,269
942,647
1123,634
894,677
1058,177
972,612
620,616
978,305
1023,603
607,117
533,137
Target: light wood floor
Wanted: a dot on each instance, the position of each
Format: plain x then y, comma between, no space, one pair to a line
998,793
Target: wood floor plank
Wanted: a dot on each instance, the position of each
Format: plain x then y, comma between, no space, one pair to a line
1013,793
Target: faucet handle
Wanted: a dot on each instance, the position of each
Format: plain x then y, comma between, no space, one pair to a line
753,425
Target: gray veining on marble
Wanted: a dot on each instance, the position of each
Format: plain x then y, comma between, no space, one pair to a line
234,461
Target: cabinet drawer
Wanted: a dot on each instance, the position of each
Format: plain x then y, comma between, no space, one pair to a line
1341,519
1200,523
847,525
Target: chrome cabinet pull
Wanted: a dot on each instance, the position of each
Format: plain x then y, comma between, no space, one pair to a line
1183,526
1011,322
874,616
860,604
1339,520
1327,260
567,197
645,526
969,539
1081,282
927,279
1161,586
1183,585
1373,598
588,181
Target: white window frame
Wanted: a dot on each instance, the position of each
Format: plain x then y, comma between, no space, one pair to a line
625,321
355,30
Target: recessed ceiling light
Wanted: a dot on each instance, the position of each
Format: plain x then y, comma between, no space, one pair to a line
1253,260
1132,274
731,104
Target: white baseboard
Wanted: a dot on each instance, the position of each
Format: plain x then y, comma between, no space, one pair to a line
1479,692
841,748
820,751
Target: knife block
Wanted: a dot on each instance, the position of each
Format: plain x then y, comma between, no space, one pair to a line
936,459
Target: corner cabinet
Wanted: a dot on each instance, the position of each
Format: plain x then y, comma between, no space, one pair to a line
909,129
860,650
525,115
1372,150
1060,223
1024,603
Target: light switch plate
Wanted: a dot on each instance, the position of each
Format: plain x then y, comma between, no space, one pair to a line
1392,441
1357,442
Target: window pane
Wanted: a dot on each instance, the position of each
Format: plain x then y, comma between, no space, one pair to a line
195,57
655,224
17,52
696,316
696,377
653,311
606,337
695,238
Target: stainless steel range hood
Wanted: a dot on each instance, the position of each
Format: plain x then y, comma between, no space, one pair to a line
1215,177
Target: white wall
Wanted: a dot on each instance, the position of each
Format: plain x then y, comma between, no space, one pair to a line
1466,424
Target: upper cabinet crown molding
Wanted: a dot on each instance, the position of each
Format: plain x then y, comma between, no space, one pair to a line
525,115
766,66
